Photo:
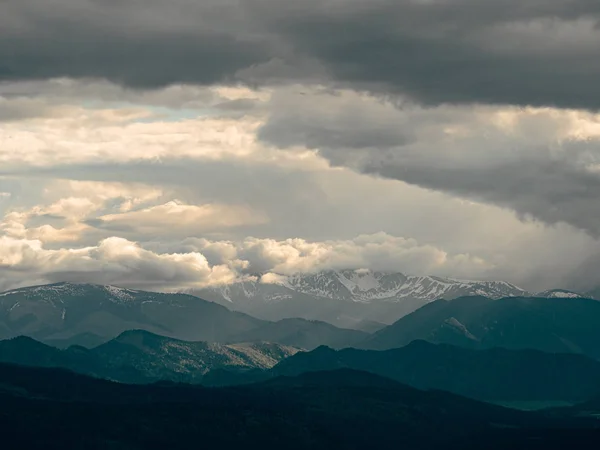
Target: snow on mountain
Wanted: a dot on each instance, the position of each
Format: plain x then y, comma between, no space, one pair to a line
559,293
57,293
64,310
67,313
348,297
366,286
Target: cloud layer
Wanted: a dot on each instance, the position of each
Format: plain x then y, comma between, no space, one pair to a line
537,161
459,51
123,262
195,142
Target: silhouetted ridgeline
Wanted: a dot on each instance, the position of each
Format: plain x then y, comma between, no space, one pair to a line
345,409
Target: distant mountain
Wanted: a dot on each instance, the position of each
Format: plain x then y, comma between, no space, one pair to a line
490,375
26,351
65,310
142,357
303,333
87,340
85,314
343,409
563,325
559,293
162,358
369,326
349,297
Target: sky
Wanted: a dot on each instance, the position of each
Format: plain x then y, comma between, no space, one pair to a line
190,143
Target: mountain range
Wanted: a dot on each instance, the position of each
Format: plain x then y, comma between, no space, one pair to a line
64,314
342,409
491,375
554,325
177,368
353,298
497,375
141,357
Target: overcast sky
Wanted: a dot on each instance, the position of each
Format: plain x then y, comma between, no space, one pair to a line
193,142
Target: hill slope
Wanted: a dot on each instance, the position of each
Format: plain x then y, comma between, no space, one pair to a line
142,357
340,409
565,325
66,313
303,333
491,375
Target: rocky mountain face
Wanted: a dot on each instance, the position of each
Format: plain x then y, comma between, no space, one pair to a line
141,357
84,314
348,297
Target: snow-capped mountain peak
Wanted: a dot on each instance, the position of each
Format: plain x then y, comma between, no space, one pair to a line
346,297
366,286
558,293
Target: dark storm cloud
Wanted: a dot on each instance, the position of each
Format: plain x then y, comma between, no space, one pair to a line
529,167
552,191
138,44
458,51
298,127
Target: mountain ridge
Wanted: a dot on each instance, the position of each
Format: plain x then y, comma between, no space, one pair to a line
78,313
489,375
348,297
344,409
554,325
138,356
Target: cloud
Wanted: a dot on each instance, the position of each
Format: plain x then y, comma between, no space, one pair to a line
112,261
120,261
340,119
539,162
339,223
436,52
379,251
177,218
142,48
306,173
463,52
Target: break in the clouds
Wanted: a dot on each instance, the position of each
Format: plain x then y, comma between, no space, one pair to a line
199,142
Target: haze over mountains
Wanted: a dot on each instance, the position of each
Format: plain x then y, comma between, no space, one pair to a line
353,298
258,374
63,314
548,324
137,336
498,375
67,313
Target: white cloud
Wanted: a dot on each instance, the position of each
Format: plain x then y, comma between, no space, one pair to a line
169,173
175,217
113,260
120,261
379,251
